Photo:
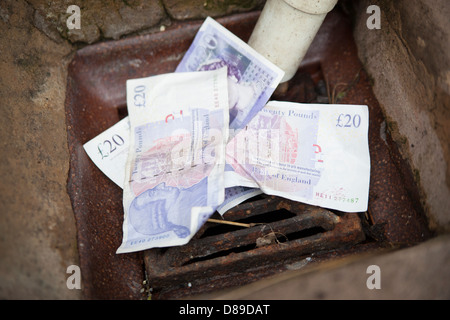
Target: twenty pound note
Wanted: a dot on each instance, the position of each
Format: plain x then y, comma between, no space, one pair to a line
174,171
109,150
251,78
316,154
251,81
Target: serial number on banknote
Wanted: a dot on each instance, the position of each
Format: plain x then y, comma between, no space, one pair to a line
336,198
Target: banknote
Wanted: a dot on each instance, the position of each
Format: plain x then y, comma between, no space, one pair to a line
251,81
235,196
251,78
175,165
312,153
109,150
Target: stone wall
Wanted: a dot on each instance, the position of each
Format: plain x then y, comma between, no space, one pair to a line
112,19
409,61
37,225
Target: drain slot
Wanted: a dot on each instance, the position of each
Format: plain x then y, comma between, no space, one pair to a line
245,237
264,218
221,254
304,233
270,238
122,111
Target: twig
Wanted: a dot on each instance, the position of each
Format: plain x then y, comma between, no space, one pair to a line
239,224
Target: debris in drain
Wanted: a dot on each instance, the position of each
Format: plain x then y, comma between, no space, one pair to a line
265,240
269,239
233,223
181,125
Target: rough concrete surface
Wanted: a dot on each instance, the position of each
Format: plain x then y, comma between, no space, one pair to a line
408,59
37,230
413,273
37,227
112,19
106,19
195,9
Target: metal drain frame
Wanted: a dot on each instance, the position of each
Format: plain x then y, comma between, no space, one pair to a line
169,270
95,100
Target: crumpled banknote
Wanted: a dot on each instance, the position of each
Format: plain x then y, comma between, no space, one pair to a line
174,171
251,77
109,150
251,81
312,153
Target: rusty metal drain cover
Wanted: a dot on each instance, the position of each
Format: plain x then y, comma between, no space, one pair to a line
281,232
285,231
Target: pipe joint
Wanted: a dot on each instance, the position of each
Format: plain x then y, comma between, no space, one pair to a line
285,30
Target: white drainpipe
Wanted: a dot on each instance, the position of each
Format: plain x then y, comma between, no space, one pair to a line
285,30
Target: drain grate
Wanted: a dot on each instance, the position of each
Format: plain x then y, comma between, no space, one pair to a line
281,232
222,255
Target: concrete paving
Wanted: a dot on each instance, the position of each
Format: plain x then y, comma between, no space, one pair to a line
419,272
37,228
